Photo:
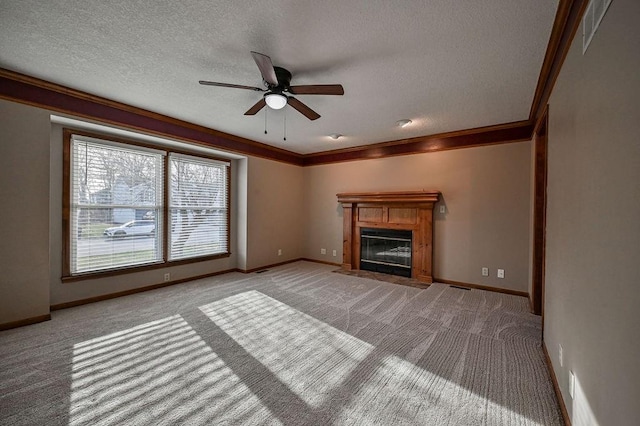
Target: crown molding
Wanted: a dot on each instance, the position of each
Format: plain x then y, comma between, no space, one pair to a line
43,94
566,24
481,136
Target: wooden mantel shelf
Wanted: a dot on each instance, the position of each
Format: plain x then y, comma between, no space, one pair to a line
409,210
390,197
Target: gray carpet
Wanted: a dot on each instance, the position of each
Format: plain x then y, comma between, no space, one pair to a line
297,345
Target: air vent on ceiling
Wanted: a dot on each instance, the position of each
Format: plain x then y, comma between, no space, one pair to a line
591,20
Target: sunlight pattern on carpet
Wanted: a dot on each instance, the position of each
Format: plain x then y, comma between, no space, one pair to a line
139,375
316,361
279,337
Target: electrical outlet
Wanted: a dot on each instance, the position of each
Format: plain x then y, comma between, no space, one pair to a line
323,251
335,253
167,277
485,272
560,355
279,252
500,273
572,384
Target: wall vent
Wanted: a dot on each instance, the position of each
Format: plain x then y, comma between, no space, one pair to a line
591,20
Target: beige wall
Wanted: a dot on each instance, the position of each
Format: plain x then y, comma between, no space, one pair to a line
274,211
24,216
592,288
486,191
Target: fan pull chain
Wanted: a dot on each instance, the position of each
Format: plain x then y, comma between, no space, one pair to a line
285,125
265,120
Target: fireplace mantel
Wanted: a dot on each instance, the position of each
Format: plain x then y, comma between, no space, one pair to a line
411,210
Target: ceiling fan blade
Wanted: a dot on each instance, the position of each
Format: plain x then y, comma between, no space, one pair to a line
266,68
233,86
303,109
257,107
317,89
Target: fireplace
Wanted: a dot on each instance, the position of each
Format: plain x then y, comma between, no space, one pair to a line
386,250
367,243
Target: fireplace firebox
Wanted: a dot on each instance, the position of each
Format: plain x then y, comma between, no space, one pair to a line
386,250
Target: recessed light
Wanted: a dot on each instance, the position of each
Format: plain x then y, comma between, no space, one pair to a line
403,123
335,136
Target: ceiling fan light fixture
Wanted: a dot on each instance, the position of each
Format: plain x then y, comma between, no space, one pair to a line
403,123
275,100
277,80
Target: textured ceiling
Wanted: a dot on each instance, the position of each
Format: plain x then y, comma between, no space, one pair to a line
446,65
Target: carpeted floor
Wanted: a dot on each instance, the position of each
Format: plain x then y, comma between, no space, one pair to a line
297,345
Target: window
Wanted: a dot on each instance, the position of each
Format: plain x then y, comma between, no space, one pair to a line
198,201
107,181
115,216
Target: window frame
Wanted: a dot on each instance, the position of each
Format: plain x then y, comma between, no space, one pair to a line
67,276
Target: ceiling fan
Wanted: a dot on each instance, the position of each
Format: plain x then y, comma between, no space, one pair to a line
277,82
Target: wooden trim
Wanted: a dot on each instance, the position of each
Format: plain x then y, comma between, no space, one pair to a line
26,321
482,136
66,210
229,209
66,202
324,262
530,303
134,269
347,235
567,21
556,387
66,305
42,94
406,197
482,287
539,216
286,262
273,265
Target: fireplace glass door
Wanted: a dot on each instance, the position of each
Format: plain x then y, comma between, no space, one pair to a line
386,250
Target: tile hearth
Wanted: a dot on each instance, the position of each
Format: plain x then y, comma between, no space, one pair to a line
378,276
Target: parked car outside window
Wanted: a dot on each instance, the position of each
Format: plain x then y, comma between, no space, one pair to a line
134,227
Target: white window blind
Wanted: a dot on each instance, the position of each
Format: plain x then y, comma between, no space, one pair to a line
116,205
198,207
